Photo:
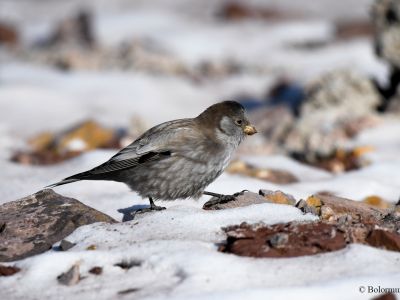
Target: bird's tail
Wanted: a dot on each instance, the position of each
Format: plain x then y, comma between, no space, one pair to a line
73,178
64,181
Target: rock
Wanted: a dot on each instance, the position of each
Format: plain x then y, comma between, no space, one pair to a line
283,240
338,161
377,201
85,136
128,291
8,270
71,277
333,101
387,296
384,239
297,239
386,19
127,264
142,54
271,175
243,199
341,207
278,197
355,233
340,95
34,223
278,240
345,30
66,245
8,34
96,270
91,247
48,148
75,31
305,208
361,222
236,11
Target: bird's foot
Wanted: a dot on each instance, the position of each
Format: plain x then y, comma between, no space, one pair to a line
149,209
221,199
152,207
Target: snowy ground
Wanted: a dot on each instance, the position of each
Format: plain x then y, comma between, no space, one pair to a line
177,248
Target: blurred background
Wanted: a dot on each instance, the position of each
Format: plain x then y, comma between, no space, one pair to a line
81,75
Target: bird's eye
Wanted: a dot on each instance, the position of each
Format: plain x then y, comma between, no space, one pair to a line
239,122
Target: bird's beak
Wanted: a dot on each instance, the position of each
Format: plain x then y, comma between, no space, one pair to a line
249,130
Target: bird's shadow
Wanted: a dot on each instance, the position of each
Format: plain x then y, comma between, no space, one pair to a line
129,212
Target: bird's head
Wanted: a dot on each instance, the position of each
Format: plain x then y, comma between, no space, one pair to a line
228,118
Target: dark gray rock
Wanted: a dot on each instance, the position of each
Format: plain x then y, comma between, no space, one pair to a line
66,245
33,224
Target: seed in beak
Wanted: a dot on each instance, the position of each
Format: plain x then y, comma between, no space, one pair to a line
249,130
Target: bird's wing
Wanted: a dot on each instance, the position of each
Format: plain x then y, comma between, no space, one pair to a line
157,143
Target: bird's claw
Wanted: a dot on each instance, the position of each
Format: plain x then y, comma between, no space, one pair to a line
155,207
240,193
149,209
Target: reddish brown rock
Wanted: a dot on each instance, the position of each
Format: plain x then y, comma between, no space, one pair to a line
283,240
8,34
387,296
235,11
354,29
96,270
384,239
8,270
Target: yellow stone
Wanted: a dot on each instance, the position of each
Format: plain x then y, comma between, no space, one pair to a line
90,134
42,141
91,247
279,197
315,202
376,201
361,150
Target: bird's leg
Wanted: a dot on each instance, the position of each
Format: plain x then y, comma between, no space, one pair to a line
155,207
220,198
152,207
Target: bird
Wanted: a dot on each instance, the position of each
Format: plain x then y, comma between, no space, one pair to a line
177,159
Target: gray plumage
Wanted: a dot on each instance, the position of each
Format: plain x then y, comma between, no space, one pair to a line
177,159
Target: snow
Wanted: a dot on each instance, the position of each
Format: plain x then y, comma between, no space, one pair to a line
177,247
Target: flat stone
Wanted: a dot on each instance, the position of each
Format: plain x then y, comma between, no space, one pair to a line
283,240
243,199
31,225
